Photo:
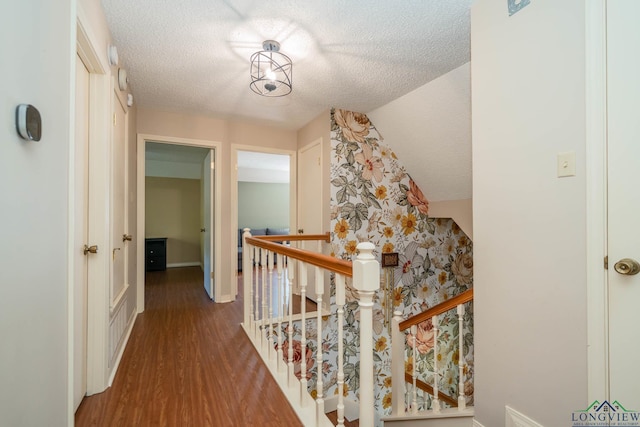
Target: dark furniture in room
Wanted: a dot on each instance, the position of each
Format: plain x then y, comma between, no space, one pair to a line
155,254
260,232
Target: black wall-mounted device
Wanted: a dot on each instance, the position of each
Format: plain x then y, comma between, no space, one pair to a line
28,122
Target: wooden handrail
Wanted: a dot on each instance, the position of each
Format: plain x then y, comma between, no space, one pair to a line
319,260
443,307
295,237
426,387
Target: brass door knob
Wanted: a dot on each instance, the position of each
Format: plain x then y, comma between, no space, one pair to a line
90,249
627,266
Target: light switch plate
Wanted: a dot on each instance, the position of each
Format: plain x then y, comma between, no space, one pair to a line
567,164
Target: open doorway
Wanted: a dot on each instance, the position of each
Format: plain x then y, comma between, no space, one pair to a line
264,197
178,212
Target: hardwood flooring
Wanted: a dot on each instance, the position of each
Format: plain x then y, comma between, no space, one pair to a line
188,363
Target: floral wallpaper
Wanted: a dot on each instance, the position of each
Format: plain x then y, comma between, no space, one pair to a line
374,199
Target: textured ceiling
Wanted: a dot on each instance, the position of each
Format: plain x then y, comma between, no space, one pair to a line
193,55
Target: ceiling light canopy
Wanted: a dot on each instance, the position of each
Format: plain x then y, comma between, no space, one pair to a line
271,71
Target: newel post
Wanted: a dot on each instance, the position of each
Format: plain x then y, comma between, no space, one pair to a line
247,273
366,280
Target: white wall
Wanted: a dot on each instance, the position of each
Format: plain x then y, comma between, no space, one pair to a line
430,130
528,76
38,50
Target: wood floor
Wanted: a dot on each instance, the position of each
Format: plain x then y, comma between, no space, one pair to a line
188,363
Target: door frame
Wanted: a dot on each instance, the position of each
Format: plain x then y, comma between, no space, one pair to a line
216,146
596,206
293,167
99,206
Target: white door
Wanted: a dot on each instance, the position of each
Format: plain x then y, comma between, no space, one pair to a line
208,185
623,104
119,205
80,215
310,201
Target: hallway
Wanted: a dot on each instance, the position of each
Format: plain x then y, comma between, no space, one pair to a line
188,363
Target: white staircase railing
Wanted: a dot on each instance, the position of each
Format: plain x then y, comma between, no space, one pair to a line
425,324
268,315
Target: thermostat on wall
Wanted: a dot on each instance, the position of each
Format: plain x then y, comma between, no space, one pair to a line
28,122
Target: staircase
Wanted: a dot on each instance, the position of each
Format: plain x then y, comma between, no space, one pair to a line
304,366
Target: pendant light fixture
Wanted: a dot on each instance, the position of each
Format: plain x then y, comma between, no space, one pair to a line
271,71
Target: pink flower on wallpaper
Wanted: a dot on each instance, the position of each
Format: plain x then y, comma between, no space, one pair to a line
423,338
417,199
297,358
355,126
372,166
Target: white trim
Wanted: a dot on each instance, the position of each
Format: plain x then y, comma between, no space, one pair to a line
596,209
514,418
118,299
476,423
217,210
293,165
125,340
98,272
184,264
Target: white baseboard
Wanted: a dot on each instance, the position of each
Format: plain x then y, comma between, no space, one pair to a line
477,424
514,418
183,264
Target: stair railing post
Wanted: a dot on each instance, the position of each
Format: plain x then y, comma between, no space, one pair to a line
366,280
319,279
435,403
397,365
247,284
280,306
340,301
462,401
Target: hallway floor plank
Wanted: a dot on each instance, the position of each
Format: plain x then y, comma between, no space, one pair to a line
188,363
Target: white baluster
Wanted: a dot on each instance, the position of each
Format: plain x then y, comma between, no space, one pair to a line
271,293
397,365
435,404
280,307
366,280
247,286
340,301
303,339
263,275
319,275
256,278
291,268
462,401
414,373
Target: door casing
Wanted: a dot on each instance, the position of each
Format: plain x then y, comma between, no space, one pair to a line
217,211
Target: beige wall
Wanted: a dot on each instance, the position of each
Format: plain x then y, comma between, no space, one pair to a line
34,183
461,211
172,210
226,132
320,127
530,258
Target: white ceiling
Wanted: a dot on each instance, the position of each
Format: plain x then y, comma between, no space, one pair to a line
193,56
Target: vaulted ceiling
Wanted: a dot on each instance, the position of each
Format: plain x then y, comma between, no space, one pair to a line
193,55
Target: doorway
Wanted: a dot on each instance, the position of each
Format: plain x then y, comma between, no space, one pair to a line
172,172
264,194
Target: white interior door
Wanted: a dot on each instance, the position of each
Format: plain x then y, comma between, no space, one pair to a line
208,185
119,205
81,214
310,201
623,93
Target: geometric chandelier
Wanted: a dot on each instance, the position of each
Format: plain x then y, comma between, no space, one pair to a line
271,71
